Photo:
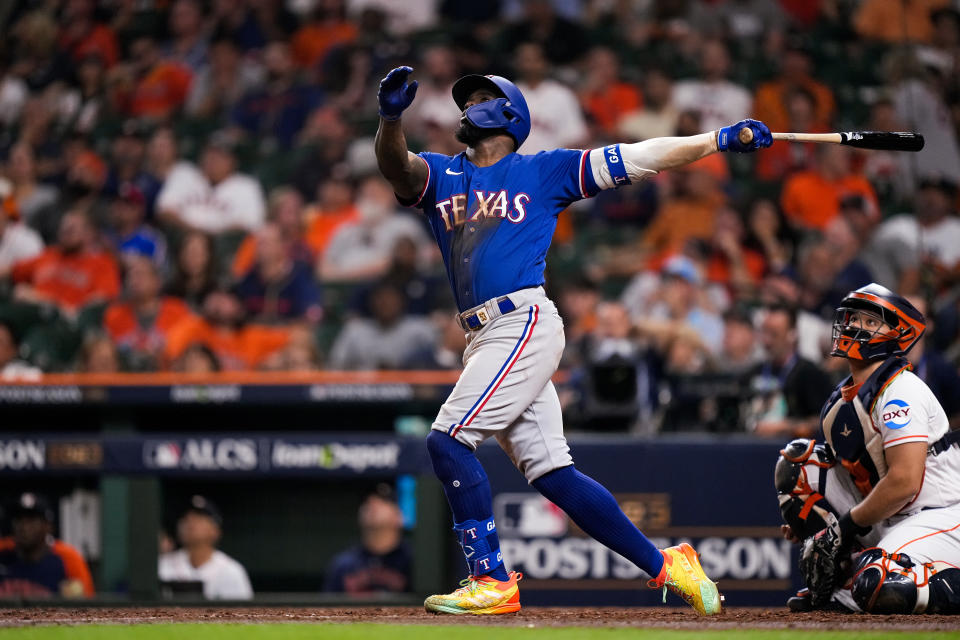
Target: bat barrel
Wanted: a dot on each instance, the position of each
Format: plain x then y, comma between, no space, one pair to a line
883,140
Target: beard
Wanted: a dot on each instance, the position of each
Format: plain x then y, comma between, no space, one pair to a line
471,135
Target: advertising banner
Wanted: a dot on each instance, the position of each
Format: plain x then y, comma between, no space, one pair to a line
716,494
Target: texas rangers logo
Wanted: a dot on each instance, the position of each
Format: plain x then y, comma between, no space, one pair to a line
896,414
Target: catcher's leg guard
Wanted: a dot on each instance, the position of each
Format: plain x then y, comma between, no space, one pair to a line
944,591
891,583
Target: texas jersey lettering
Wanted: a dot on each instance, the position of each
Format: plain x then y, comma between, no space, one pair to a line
494,224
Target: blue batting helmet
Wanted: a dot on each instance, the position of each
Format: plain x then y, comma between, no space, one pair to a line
508,112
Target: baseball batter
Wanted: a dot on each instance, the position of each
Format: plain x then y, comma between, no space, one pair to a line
493,213
887,481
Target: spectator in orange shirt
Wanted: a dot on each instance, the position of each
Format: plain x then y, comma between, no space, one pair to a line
285,210
811,199
70,275
334,207
81,35
605,97
33,562
139,325
689,213
237,345
785,157
771,100
327,28
729,261
148,86
895,21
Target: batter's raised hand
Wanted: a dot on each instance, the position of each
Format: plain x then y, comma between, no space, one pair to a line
395,94
729,138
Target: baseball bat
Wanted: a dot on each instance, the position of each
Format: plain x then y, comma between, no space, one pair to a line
879,140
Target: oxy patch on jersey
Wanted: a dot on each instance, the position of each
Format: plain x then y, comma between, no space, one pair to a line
456,212
896,414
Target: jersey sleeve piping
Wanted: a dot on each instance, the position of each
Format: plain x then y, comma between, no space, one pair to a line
410,202
426,183
916,437
587,184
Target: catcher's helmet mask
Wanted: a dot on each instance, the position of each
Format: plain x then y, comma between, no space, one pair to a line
899,325
508,112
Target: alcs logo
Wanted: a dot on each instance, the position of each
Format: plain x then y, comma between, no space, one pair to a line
228,454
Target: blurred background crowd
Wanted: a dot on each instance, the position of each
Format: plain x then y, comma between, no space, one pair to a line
190,185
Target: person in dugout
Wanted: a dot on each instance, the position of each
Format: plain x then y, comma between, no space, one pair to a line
877,505
33,564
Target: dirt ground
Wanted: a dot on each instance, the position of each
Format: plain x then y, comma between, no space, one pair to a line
530,616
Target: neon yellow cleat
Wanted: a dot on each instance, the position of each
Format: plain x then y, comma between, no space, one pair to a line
479,596
684,576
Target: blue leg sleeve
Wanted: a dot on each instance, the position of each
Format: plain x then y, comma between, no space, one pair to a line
596,511
467,489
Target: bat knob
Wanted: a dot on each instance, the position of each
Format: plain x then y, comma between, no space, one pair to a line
746,135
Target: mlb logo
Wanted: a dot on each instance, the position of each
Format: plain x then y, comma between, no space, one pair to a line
162,455
528,515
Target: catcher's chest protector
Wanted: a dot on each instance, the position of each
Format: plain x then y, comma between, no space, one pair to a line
848,427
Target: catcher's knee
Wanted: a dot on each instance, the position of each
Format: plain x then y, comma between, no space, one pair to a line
890,583
800,477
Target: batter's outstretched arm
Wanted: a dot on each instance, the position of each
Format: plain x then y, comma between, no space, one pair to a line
615,165
406,171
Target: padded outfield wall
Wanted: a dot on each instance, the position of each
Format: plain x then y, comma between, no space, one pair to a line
288,463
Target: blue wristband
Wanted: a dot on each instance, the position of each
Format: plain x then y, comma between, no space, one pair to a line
618,172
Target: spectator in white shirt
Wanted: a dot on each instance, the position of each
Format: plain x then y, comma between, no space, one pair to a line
931,235
361,251
199,560
215,198
17,240
11,366
718,100
554,108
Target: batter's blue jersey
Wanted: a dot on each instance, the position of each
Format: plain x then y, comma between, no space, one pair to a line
494,224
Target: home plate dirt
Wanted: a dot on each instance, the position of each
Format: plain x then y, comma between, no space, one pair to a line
663,617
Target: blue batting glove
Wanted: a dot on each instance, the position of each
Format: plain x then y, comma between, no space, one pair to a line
728,138
395,94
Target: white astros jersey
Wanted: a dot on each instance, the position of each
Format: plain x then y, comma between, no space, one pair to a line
907,411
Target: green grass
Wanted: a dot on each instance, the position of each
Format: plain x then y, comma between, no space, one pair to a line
416,632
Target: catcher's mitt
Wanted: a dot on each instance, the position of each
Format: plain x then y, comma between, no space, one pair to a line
825,555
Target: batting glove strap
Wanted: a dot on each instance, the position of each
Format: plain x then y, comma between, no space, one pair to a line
395,94
728,138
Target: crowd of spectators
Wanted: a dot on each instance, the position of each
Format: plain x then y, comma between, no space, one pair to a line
190,185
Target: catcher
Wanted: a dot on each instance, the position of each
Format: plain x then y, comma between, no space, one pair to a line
877,507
